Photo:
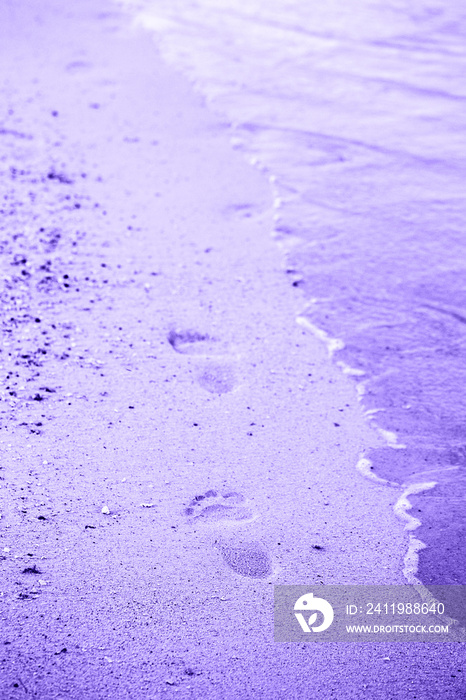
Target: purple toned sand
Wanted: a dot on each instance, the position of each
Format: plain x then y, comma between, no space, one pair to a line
173,443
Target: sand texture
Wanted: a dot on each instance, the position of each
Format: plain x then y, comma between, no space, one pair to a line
173,442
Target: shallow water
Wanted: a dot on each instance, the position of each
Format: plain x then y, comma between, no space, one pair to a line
356,113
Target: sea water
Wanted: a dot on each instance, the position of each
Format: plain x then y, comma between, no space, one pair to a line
356,111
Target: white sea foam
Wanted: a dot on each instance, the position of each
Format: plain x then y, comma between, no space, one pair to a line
352,371
364,466
403,504
391,438
333,344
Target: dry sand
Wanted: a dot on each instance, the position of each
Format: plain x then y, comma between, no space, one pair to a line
152,355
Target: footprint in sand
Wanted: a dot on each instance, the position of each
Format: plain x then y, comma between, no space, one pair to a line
245,558
216,378
212,507
190,342
213,375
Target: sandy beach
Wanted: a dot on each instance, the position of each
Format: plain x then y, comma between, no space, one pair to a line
174,443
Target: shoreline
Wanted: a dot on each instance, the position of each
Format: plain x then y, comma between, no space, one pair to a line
355,161
173,368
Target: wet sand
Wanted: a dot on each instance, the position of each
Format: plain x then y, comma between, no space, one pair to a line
174,443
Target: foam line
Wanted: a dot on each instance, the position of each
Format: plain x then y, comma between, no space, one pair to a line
403,505
333,344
